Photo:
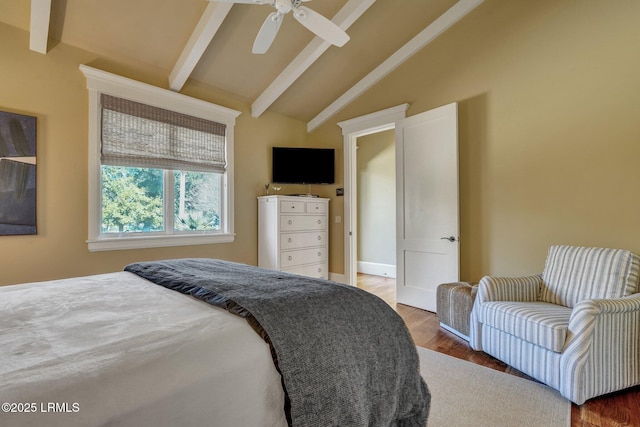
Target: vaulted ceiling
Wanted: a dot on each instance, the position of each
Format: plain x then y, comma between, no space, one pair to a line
300,76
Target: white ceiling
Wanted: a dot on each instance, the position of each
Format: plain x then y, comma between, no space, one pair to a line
300,76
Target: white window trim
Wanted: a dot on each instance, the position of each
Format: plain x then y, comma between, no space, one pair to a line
98,82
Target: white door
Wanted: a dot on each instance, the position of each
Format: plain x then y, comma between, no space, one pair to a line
427,205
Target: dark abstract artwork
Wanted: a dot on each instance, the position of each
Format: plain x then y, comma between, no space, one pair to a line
17,174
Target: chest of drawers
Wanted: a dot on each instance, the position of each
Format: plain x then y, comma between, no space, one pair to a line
293,235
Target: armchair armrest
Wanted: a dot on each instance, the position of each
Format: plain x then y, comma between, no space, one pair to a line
588,313
524,289
602,337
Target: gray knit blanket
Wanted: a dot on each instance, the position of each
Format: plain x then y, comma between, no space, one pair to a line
346,358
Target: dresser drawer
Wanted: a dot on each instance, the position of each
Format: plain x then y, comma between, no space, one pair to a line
292,206
315,207
307,222
315,270
302,240
303,256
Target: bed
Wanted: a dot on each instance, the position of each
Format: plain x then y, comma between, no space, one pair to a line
118,349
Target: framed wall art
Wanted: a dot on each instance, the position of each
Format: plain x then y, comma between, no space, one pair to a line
17,174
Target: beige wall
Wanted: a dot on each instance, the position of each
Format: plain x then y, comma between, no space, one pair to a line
52,88
548,123
549,127
376,183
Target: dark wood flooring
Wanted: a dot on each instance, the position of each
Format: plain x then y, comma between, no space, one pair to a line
616,409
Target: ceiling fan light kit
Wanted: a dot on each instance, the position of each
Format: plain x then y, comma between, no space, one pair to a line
310,19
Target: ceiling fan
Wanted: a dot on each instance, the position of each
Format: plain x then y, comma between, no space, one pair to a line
316,23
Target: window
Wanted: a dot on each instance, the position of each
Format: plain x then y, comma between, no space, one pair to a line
160,166
133,201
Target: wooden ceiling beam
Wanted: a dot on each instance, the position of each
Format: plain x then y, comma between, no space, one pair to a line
205,30
39,25
426,36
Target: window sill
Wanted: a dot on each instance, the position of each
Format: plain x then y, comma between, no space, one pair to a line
123,243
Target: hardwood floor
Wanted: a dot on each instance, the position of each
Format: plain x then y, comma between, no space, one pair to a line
616,409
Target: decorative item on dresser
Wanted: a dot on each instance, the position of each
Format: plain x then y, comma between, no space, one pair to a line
293,235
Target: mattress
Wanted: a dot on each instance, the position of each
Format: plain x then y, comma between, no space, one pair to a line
117,350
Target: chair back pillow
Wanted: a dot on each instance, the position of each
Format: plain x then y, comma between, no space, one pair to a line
572,274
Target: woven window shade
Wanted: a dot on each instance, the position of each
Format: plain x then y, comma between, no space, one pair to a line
140,135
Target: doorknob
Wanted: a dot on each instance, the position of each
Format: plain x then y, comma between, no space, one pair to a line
450,238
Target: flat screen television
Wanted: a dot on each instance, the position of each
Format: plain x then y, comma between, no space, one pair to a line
295,165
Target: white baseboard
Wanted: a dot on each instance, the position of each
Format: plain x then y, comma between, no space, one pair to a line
377,269
337,277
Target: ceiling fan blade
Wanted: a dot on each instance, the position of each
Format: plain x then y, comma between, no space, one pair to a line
320,25
267,33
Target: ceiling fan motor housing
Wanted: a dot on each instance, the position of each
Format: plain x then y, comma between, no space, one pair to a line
284,6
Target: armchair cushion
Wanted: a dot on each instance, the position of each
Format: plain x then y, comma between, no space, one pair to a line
573,274
539,323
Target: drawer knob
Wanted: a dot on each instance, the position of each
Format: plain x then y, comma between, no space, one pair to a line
290,257
319,221
290,222
319,237
317,207
319,270
290,240
319,253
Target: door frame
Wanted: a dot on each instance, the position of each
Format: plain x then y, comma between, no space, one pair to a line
352,129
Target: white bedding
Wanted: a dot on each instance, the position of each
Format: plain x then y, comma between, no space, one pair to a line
117,350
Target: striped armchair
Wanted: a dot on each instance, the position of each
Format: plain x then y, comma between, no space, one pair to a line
575,327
